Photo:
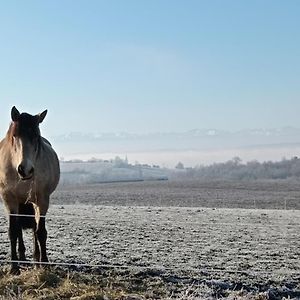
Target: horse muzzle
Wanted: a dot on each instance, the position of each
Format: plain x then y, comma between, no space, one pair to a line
25,174
26,178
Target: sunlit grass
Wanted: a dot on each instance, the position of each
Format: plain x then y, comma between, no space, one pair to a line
61,284
58,283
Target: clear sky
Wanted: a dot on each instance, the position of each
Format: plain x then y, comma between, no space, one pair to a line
147,66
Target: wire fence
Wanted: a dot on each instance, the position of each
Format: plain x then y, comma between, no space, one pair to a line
282,272
213,223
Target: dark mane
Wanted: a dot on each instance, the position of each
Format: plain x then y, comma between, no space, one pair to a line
26,127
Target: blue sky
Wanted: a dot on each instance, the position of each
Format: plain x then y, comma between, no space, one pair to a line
148,66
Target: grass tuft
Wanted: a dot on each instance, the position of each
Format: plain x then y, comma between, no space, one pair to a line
59,283
54,283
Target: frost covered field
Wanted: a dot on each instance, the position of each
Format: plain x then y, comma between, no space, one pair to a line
245,235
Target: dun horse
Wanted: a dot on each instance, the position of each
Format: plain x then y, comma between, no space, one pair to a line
29,173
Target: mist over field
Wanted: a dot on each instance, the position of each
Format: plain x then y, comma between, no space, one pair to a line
197,154
194,147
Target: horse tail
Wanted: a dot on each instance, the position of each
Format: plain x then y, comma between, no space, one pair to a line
27,210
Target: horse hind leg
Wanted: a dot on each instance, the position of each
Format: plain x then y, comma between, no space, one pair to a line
21,248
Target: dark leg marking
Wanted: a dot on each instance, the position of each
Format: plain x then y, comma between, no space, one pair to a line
14,230
36,247
42,238
21,248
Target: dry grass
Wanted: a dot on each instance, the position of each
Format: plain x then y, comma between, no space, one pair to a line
60,284
56,283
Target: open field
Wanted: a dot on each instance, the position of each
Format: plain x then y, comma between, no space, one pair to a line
273,194
206,237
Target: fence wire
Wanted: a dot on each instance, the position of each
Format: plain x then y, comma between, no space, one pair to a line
70,217
161,268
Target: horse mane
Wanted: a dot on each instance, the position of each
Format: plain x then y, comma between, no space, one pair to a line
10,131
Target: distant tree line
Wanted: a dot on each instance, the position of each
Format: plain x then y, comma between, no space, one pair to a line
117,162
236,170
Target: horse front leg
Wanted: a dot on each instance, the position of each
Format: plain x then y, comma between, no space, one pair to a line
41,234
36,247
14,231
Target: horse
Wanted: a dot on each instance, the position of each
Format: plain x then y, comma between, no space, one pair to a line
29,174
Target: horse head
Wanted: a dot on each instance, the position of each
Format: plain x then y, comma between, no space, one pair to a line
25,138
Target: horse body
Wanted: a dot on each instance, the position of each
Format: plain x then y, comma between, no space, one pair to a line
29,173
17,191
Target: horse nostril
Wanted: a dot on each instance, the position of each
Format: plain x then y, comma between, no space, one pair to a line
23,173
21,170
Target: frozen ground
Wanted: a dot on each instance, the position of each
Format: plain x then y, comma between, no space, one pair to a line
222,194
183,229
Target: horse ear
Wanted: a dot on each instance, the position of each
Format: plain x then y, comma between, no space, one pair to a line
15,114
42,116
